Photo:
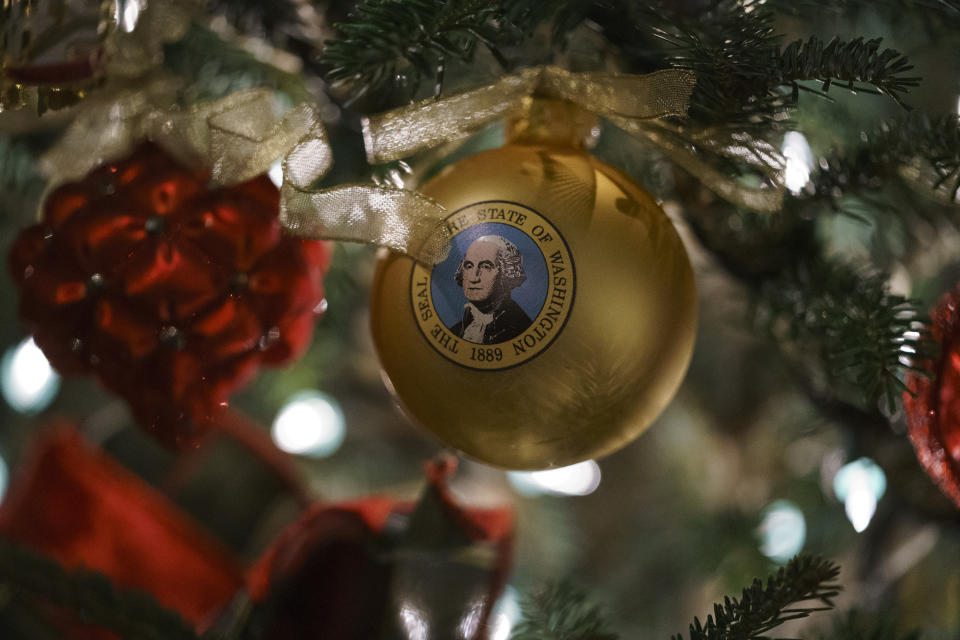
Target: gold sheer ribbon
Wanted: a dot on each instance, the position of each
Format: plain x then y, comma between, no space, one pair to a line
237,138
241,135
636,104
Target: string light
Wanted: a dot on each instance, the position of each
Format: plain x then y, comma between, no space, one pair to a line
782,531
311,424
131,14
28,382
799,159
860,485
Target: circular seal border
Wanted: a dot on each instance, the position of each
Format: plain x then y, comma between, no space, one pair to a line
468,354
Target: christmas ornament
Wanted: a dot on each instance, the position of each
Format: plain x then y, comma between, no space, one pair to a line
932,404
74,504
376,568
54,52
50,52
562,320
171,294
354,569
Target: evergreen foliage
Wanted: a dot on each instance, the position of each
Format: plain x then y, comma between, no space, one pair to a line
403,42
865,337
89,596
561,611
857,625
934,142
763,607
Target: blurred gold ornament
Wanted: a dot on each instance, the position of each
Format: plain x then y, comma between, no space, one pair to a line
565,354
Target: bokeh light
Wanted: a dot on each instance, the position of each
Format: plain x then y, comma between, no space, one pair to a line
578,479
860,485
783,531
799,159
127,13
505,614
28,382
310,424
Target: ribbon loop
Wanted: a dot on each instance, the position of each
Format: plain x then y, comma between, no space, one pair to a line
637,104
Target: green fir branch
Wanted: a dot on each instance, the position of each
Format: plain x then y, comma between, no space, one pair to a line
745,78
90,596
931,142
761,608
403,42
864,338
858,65
858,625
214,68
20,181
561,611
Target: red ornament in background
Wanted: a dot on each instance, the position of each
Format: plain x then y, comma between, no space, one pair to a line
341,571
73,503
170,293
933,405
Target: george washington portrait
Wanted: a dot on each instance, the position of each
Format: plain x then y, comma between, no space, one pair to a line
491,269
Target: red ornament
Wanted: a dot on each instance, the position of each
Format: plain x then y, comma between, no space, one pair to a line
341,571
76,505
358,569
170,293
932,405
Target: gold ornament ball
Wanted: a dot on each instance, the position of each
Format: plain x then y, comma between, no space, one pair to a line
606,320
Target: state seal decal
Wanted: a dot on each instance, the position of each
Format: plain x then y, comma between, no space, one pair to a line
504,292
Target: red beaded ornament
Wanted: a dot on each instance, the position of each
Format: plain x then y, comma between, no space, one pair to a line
170,293
932,405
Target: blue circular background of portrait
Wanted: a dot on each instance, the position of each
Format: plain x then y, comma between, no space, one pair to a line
448,298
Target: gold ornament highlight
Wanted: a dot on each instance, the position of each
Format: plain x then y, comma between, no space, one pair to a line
562,320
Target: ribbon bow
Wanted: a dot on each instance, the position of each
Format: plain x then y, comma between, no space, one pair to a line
637,104
411,223
242,134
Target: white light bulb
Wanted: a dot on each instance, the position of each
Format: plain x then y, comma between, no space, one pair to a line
782,531
27,380
311,423
799,159
131,14
860,485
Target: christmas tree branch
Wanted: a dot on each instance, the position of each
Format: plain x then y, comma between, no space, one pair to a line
214,68
743,73
744,77
402,42
933,143
847,63
561,611
20,182
857,625
90,596
864,338
761,608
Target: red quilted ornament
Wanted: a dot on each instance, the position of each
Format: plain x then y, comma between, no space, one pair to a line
933,405
170,293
